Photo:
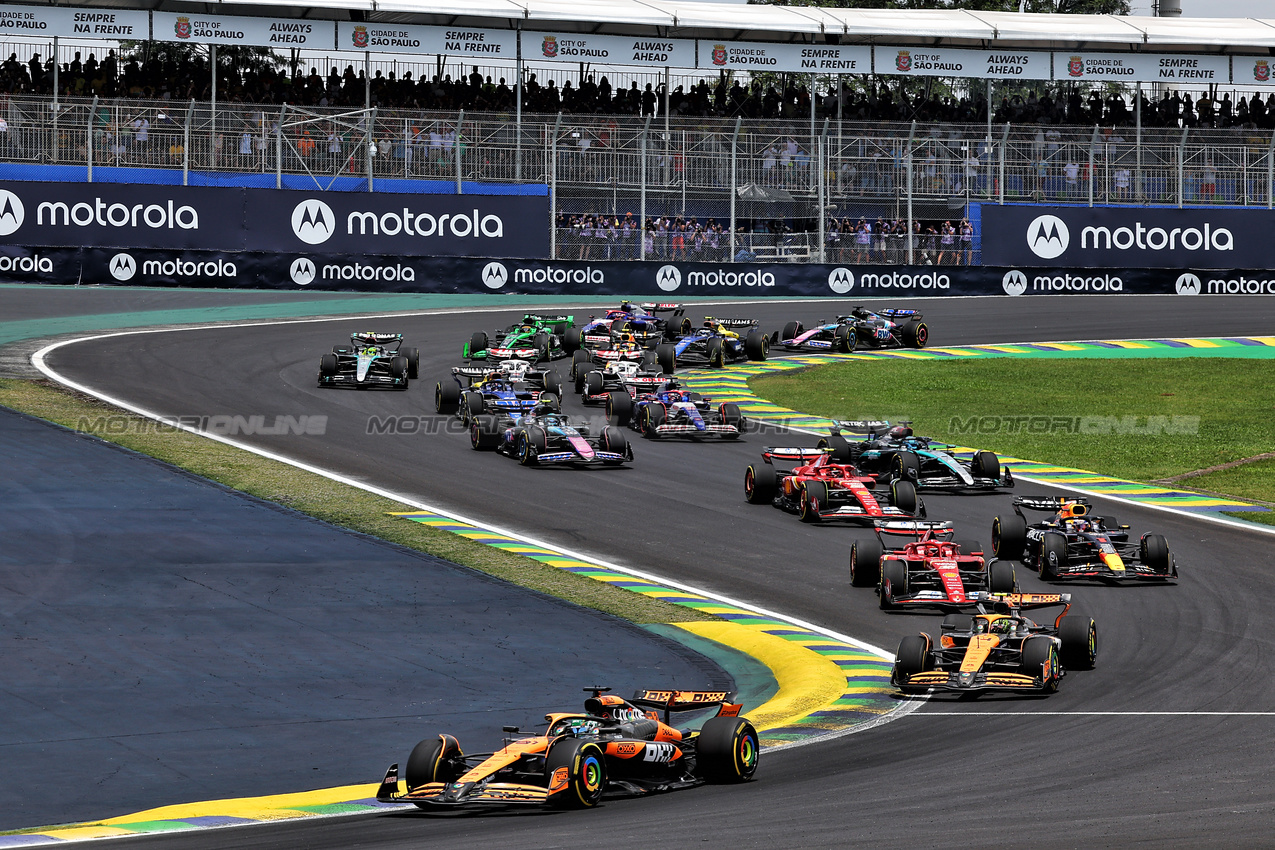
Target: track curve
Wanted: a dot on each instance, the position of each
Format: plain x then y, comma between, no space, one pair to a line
1087,766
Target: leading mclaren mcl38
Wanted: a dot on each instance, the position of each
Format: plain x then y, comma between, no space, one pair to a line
370,360
616,747
998,648
1074,543
818,489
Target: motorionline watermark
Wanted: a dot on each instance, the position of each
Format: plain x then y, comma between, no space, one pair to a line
414,425
1085,426
222,425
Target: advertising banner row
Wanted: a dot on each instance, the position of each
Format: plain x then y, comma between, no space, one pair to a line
379,273
1124,236
475,43
221,219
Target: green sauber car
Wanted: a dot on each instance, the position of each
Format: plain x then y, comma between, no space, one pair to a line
535,338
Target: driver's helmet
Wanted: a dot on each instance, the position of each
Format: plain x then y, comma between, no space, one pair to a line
626,306
545,411
899,432
371,350
1003,626
1081,526
527,329
834,472
628,339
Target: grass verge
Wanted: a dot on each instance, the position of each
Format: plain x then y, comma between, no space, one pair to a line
332,502
1096,415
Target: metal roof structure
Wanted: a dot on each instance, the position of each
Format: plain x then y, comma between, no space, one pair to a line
734,22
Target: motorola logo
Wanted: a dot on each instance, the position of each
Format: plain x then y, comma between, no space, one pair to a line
1014,282
1048,236
302,271
123,267
313,221
495,275
668,278
1187,284
12,212
840,280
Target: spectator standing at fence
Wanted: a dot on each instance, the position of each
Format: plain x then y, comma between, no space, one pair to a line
245,147
862,241
947,242
1122,184
334,150
649,238
1071,173
1208,181
967,241
4,135
141,132
305,146
879,239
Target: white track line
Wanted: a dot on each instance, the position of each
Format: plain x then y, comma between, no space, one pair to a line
38,359
1093,714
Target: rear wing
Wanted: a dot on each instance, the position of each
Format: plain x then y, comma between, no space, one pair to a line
918,529
671,701
677,309
797,454
732,323
1003,603
474,373
859,426
1049,503
369,338
893,313
547,319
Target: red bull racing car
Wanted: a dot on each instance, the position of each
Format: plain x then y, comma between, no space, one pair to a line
819,489
642,321
1074,543
998,648
915,564
616,747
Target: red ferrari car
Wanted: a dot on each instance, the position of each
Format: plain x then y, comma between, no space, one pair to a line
819,489
929,570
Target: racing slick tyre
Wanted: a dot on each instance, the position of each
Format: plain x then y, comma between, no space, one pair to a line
541,342
477,343
1079,637
792,330
1154,551
760,483
327,366
844,339
814,496
840,447
865,562
619,408
553,383
531,442
903,496
1053,555
580,355
484,433
621,326
894,583
586,766
729,411
342,349
593,382
957,623
651,418
970,547
726,750
413,362
1000,577
613,440
572,339
1009,537
649,362
399,370
913,656
904,466
683,327
915,334
666,356
550,402
1040,658
473,404
715,352
446,397
430,761
985,465
756,345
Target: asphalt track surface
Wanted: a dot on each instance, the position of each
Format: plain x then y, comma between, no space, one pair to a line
1168,742
170,639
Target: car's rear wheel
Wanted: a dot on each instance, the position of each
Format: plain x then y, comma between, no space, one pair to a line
619,408
903,496
1009,537
572,339
1053,555
865,562
760,483
970,547
985,465
915,334
666,356
1000,577
727,750
894,583
913,656
446,397
1079,636
957,623
1155,552
814,498
585,777
756,346
593,383
549,401
553,383
413,362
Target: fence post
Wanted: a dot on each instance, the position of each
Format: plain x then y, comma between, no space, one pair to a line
369,148
1000,184
1182,168
56,110
278,149
911,233
88,139
734,150
518,105
821,163
1270,172
642,196
460,123
553,189
190,116
407,149
1093,141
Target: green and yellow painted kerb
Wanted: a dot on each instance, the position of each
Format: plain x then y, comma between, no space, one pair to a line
732,385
